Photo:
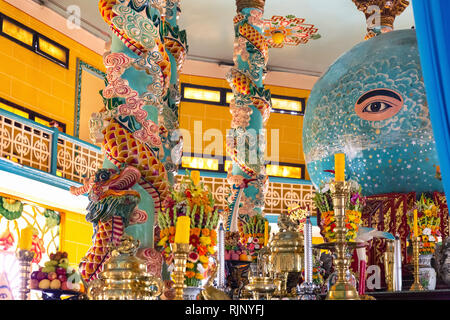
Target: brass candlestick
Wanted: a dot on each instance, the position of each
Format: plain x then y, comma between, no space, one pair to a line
342,289
181,252
25,258
416,286
389,265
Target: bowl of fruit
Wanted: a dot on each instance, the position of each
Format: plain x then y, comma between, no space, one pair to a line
56,276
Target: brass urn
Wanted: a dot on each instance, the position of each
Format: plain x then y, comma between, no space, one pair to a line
286,248
286,253
125,277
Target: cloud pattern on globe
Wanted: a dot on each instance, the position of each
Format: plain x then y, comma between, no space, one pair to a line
371,105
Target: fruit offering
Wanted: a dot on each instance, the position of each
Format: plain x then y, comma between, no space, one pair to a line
56,274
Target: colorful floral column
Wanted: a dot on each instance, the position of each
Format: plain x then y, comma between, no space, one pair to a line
139,117
250,109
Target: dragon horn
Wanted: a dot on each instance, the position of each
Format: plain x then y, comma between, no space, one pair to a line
85,188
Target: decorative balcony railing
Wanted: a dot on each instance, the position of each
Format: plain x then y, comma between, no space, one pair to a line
49,150
46,149
279,197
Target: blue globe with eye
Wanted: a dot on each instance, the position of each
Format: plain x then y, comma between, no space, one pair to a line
371,105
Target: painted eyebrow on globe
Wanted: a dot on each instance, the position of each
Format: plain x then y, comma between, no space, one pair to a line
379,92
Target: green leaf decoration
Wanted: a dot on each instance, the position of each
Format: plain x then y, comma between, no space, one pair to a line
11,209
53,218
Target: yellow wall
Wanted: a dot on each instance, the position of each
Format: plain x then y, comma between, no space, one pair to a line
41,85
76,236
35,82
219,117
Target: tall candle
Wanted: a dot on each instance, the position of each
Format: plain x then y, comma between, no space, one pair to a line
416,234
362,277
266,232
195,176
26,236
221,257
183,229
362,258
339,166
307,236
397,265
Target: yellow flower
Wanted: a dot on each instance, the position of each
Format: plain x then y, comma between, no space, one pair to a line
189,265
211,250
199,276
204,259
163,241
205,241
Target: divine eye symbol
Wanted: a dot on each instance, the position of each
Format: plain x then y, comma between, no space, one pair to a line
378,104
376,107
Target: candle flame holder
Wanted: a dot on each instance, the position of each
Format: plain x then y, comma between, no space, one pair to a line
416,286
342,289
181,252
25,258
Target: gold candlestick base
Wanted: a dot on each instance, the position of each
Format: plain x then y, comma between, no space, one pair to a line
25,258
181,252
416,286
342,289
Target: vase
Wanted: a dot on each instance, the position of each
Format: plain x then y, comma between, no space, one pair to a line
427,274
191,293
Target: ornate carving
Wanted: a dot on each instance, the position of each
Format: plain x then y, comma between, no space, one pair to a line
257,4
389,10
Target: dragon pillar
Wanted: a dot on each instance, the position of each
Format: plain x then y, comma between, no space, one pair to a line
250,109
138,124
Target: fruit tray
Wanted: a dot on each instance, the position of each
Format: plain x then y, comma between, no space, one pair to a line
52,294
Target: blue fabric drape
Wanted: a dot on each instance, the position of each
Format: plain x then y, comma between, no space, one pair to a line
433,36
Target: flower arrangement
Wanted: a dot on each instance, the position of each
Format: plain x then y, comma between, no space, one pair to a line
318,274
354,206
233,248
193,199
251,237
428,224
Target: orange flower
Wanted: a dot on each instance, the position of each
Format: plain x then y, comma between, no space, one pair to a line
205,232
202,250
195,231
172,230
213,234
190,274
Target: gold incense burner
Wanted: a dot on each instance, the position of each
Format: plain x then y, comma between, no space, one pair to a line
124,276
261,286
286,255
